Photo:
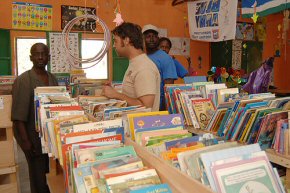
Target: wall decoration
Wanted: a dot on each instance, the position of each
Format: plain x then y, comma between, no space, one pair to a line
237,54
245,31
180,46
31,16
212,20
59,62
70,12
118,20
261,8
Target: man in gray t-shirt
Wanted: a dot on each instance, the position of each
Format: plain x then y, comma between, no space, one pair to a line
23,116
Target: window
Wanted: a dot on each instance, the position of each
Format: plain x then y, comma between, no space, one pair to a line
89,49
23,46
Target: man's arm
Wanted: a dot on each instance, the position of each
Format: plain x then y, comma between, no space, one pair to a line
25,142
169,81
146,100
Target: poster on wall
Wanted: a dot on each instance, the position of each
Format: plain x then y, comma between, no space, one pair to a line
70,12
212,20
180,46
59,62
31,16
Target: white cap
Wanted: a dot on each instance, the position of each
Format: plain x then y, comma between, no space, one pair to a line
149,27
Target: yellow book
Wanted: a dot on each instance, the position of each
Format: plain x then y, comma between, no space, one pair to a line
172,154
247,127
143,114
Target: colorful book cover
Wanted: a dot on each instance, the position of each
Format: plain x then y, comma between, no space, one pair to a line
158,121
185,142
128,182
101,168
204,110
160,188
267,133
143,114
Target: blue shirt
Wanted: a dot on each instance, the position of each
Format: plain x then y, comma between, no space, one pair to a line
180,70
167,70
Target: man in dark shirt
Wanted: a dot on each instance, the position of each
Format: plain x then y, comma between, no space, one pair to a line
23,116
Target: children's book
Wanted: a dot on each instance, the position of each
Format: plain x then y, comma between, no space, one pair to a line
266,133
203,109
160,188
246,173
143,114
208,158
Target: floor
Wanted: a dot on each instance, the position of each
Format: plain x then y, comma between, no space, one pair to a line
23,175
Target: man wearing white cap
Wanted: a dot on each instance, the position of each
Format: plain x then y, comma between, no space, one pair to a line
163,61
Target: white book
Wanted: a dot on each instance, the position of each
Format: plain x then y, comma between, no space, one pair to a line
98,125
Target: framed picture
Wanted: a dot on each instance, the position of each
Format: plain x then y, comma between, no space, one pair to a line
69,12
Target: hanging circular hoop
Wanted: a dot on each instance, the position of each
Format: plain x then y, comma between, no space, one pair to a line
75,61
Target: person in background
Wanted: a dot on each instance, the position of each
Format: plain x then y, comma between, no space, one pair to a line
163,61
141,83
23,116
259,80
165,45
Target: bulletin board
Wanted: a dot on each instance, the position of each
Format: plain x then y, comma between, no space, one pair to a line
31,16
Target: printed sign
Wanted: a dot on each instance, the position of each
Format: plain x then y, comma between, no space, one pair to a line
212,20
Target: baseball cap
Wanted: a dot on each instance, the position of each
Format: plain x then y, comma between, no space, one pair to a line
149,27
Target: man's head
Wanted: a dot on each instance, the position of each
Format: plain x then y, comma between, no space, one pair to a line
150,33
127,34
39,55
165,44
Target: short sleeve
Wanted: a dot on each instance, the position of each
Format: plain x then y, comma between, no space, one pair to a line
180,70
21,97
168,68
146,83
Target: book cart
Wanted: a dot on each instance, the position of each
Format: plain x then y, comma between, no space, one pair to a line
8,167
274,157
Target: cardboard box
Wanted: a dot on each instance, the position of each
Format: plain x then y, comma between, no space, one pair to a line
5,111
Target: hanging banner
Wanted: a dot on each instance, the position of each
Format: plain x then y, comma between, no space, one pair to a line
263,7
31,16
212,20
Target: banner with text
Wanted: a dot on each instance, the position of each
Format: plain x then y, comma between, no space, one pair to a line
212,20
